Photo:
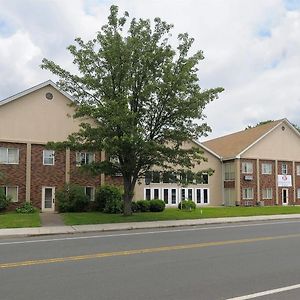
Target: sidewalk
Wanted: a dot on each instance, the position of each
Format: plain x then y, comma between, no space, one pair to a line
51,230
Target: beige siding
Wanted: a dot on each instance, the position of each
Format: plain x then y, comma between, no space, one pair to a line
277,145
33,118
214,182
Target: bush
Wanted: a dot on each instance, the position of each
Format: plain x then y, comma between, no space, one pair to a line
72,198
4,201
143,205
157,205
134,206
26,208
187,205
109,199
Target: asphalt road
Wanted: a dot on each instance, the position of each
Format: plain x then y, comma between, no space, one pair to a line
206,262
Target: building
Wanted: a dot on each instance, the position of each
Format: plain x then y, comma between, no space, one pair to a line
258,165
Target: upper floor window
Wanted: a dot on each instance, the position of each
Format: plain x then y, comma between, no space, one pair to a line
48,157
229,173
9,156
84,158
298,169
284,169
11,192
266,168
247,167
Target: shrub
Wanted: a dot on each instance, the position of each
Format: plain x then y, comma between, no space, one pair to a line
109,199
157,205
143,205
26,208
72,198
4,201
187,205
134,206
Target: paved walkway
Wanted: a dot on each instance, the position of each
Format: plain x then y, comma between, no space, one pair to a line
19,232
51,219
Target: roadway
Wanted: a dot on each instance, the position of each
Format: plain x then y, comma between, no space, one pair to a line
254,260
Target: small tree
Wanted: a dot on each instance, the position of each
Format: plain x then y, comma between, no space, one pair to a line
143,95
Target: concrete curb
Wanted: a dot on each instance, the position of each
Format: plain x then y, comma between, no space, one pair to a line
52,230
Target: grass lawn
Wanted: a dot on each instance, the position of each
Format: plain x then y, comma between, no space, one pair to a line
15,220
176,214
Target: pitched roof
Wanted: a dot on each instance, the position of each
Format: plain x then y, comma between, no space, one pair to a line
33,89
232,145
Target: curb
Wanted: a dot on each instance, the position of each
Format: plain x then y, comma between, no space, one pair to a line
55,230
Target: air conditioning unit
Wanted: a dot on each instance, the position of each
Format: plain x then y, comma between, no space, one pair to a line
248,177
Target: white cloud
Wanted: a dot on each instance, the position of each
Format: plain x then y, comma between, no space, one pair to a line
251,48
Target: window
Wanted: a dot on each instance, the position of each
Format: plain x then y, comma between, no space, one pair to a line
9,155
298,193
205,196
166,196
90,192
84,158
190,194
202,179
229,173
248,193
267,193
148,194
10,192
266,168
155,193
298,169
198,195
155,177
247,167
173,196
182,194
48,157
284,169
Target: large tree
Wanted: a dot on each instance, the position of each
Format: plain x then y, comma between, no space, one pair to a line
143,94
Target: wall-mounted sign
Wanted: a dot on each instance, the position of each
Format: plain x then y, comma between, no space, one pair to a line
284,180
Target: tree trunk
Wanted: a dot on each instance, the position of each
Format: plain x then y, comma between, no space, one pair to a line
128,195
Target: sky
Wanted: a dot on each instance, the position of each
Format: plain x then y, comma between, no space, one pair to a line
251,49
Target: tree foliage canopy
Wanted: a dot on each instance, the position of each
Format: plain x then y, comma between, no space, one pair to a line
143,95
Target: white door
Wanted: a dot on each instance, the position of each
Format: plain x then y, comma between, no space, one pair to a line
48,199
285,197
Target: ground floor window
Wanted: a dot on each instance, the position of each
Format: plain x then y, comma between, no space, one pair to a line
172,196
267,193
90,192
247,193
10,192
298,193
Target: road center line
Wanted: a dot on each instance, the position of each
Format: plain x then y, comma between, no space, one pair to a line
143,233
142,251
269,292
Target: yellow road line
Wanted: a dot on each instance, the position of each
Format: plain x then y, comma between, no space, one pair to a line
142,251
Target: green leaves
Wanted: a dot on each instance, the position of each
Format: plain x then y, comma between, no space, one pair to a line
142,94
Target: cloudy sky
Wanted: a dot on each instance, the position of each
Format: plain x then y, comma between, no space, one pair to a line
251,48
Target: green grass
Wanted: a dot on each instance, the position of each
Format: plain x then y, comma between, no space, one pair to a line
176,214
15,220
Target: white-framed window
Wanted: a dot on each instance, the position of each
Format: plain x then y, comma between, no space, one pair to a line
11,192
90,192
147,195
248,193
173,196
229,172
284,169
84,158
267,193
247,167
187,194
9,156
48,157
298,193
298,169
266,168
201,196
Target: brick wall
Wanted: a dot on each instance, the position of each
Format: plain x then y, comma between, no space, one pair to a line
15,175
78,176
297,183
268,181
249,183
45,176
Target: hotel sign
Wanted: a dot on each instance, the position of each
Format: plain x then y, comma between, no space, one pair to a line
284,180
